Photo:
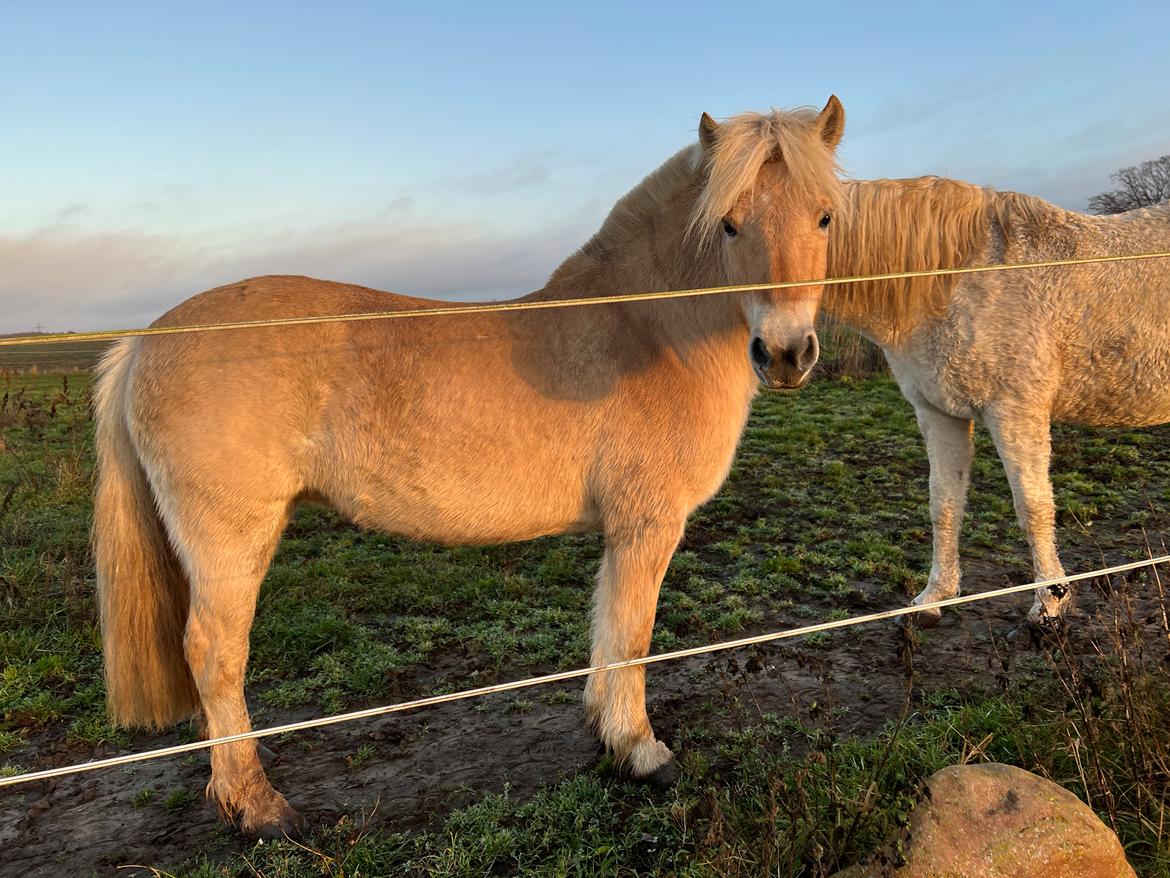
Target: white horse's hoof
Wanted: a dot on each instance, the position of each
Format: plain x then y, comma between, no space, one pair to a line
1051,609
1045,620
922,619
927,618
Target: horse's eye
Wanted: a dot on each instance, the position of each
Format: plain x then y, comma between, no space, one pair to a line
729,230
825,220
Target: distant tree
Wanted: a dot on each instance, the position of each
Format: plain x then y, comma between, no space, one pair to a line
1140,186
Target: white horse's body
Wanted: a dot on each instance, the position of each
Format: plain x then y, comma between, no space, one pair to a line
1016,351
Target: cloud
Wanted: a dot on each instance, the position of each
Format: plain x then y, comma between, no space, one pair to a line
65,277
61,275
521,173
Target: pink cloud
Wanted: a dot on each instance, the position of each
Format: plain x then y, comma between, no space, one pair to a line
69,278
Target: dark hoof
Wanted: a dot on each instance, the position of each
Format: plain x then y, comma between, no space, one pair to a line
1024,637
1048,627
664,776
287,824
921,619
277,831
1038,633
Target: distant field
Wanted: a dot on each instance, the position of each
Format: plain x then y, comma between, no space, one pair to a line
796,760
65,356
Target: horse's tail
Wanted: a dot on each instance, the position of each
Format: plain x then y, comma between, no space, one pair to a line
142,591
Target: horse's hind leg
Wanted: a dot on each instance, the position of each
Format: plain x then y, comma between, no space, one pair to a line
950,450
1024,443
225,557
623,618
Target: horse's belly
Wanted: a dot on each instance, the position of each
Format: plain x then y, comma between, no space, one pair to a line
473,508
1115,386
468,526
1136,405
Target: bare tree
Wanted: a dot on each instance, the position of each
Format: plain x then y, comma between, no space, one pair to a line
1139,186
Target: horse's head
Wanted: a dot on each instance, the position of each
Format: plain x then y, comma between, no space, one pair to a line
769,199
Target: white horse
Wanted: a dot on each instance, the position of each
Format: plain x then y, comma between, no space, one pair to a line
1017,350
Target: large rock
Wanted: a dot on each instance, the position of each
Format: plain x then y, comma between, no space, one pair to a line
997,821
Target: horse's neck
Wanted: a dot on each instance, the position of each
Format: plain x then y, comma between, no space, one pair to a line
643,246
702,331
879,326
898,226
851,313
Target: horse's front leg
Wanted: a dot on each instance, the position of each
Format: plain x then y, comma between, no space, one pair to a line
623,618
950,450
1024,444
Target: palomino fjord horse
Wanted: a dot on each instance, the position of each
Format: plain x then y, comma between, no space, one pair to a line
1017,350
469,429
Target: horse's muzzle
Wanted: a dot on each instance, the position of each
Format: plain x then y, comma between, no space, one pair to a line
784,387
788,367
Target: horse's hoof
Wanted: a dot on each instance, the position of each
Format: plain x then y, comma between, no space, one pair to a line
1053,617
1046,626
921,619
651,762
664,776
279,820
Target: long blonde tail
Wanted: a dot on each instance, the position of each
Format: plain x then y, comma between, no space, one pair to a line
142,591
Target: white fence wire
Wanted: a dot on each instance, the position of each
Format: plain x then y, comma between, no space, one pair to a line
433,700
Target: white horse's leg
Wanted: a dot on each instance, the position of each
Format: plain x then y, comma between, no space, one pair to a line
950,450
1025,447
623,618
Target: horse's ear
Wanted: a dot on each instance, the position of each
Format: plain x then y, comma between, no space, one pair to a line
708,132
831,122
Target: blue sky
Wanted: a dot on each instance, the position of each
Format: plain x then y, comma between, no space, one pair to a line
153,150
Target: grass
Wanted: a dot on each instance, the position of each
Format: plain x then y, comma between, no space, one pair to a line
776,797
823,515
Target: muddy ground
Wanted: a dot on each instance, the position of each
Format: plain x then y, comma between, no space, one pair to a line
418,766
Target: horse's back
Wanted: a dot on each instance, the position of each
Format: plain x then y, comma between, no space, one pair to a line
1090,343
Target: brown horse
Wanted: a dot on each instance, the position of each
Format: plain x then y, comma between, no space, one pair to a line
479,429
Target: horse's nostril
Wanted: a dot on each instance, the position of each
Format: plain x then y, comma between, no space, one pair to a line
808,357
759,353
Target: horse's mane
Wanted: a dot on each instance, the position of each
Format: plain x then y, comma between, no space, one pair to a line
913,225
745,143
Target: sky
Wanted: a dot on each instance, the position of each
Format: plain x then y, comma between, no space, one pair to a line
150,151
